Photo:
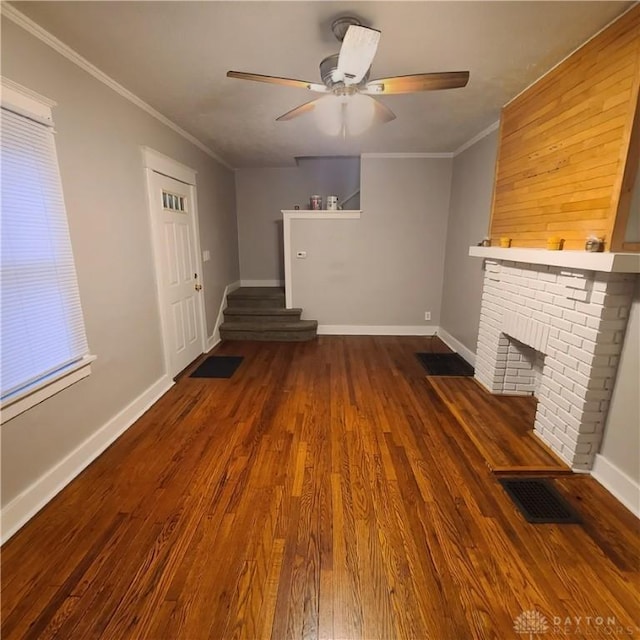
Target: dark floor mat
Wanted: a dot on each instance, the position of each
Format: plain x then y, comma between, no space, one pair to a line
218,367
444,364
539,501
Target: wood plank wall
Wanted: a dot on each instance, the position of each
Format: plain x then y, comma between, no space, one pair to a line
564,146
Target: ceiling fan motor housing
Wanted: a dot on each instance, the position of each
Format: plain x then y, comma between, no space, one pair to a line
328,66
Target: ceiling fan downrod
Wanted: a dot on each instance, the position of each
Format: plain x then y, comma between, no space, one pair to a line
340,26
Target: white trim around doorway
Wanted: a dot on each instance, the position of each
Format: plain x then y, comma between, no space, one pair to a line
156,162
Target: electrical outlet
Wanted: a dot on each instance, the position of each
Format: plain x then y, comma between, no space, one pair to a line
427,315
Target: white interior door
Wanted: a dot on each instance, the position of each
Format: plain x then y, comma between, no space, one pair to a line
177,269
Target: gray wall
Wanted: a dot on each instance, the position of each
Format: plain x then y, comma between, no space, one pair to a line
263,193
621,443
387,267
99,134
471,193
633,224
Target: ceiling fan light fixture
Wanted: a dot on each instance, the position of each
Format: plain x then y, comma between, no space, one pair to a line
328,115
346,115
359,113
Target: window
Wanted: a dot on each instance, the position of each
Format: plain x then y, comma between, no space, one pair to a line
173,202
43,342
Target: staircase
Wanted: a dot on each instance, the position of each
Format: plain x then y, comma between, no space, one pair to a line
258,313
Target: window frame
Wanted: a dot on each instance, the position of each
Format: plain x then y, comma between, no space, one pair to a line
30,104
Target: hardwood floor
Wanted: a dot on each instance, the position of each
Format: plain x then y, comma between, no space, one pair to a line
325,491
499,426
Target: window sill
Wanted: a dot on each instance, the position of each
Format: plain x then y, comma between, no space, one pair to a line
15,406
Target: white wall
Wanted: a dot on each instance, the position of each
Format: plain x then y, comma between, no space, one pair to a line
263,193
471,193
633,223
99,135
385,269
621,441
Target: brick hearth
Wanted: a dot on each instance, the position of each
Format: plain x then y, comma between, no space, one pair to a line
557,333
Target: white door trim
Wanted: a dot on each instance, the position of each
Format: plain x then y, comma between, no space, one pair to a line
167,166
155,162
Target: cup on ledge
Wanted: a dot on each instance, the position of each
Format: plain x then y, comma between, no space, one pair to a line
332,203
505,243
554,243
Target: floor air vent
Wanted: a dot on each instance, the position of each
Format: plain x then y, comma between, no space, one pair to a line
539,501
218,367
444,364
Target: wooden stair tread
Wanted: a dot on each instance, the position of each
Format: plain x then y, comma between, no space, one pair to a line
259,313
256,292
499,426
297,325
264,311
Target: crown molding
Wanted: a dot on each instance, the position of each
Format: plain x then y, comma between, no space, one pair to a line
11,13
407,155
483,134
449,154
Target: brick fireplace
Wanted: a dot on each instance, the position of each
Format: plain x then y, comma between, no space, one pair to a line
556,332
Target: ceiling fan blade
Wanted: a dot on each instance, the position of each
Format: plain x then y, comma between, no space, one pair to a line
356,54
382,113
287,82
417,82
299,111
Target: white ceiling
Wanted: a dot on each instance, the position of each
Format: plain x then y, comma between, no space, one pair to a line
174,55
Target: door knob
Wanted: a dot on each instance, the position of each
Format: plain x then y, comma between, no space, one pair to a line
198,287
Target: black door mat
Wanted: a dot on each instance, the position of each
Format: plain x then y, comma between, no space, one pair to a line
539,501
218,367
444,364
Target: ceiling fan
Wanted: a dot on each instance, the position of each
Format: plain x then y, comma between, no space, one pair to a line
345,79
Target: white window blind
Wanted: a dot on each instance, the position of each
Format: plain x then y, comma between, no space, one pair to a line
43,336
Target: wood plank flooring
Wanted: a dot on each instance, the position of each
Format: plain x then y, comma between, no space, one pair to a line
324,492
499,426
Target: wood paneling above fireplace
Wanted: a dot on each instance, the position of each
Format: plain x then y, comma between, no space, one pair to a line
564,158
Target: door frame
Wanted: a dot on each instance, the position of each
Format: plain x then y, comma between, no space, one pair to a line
156,162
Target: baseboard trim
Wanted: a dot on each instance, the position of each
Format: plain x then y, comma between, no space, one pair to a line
457,346
624,488
214,338
23,507
213,342
262,283
374,330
